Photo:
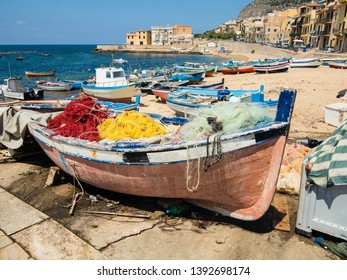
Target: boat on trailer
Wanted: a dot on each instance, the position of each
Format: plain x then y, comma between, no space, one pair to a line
232,173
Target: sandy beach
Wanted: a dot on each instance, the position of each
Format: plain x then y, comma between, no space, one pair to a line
316,87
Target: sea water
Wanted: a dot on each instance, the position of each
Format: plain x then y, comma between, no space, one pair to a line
78,62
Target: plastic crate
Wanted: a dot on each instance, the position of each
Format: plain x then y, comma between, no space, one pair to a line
322,209
335,114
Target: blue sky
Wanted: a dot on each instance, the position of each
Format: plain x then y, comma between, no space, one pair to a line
105,21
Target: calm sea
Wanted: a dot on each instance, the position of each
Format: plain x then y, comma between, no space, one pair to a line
77,62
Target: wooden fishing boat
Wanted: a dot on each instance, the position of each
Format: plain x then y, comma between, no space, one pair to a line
164,92
110,84
191,106
272,67
12,88
240,183
39,74
338,65
54,86
193,67
148,88
305,63
238,69
45,105
188,104
76,84
193,77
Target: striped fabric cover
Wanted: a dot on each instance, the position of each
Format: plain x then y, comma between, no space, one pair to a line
329,160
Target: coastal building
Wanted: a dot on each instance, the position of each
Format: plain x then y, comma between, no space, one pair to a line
139,38
340,26
272,26
161,35
230,26
254,30
324,26
286,25
172,35
182,35
304,24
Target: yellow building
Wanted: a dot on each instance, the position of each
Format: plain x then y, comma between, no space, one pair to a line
139,38
324,26
309,16
272,27
340,26
304,24
286,25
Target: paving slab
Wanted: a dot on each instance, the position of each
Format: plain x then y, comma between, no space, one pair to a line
102,231
51,241
13,252
16,215
4,240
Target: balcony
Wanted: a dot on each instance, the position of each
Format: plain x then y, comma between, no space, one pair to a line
337,32
324,33
325,20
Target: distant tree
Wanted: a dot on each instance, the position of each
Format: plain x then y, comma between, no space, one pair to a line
212,34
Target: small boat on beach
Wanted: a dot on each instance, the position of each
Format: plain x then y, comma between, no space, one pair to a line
188,103
53,86
165,85
306,63
338,65
237,69
210,70
39,74
272,67
192,77
163,92
76,84
110,84
12,88
233,172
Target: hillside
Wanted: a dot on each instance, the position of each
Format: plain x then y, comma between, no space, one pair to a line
262,7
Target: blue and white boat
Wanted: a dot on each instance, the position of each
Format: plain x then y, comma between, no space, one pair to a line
193,77
110,84
277,66
189,104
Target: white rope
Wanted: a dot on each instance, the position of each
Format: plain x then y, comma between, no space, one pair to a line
188,177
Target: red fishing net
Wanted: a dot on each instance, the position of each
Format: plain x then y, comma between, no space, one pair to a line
79,119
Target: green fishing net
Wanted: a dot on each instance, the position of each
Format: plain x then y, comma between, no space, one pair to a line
227,117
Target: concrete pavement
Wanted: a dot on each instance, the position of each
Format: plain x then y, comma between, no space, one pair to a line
52,234
26,233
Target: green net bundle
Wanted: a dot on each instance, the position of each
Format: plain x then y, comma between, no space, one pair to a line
226,117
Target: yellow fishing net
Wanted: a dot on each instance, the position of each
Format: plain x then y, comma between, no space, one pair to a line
131,125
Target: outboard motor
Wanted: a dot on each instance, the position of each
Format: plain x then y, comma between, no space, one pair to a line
223,94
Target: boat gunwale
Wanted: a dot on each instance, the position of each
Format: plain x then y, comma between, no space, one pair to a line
136,146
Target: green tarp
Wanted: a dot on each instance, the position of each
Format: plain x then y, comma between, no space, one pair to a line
329,160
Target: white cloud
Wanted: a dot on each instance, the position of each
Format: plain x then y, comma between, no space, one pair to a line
20,22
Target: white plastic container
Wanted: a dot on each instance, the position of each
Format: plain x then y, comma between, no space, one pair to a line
335,114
